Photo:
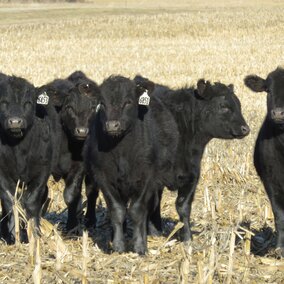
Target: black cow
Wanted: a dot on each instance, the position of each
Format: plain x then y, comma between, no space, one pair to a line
28,143
128,153
210,111
75,99
269,147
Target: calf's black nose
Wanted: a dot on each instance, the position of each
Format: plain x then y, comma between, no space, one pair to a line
277,113
112,126
15,122
81,131
245,129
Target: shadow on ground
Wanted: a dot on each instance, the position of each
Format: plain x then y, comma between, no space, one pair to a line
102,233
263,243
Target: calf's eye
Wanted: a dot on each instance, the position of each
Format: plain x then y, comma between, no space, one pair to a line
69,109
127,103
93,108
3,105
224,109
27,105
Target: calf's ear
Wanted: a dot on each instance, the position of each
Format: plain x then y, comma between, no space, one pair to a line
203,88
77,75
255,83
231,87
88,89
144,89
48,94
143,84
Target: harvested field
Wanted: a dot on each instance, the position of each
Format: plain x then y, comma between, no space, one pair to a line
172,43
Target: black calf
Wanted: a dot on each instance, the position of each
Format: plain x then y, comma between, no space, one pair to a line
75,99
210,111
269,147
128,153
27,151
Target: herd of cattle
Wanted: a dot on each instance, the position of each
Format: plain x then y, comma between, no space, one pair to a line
129,138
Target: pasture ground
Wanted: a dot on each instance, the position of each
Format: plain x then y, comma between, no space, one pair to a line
173,43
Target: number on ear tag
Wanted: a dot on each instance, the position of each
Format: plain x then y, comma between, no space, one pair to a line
144,99
43,99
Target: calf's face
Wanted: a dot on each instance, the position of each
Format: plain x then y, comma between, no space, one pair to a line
221,113
119,104
273,85
17,106
78,108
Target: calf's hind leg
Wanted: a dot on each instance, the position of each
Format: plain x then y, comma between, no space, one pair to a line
33,199
72,195
7,222
275,193
186,192
154,219
92,195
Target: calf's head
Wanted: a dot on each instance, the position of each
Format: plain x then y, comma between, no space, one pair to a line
78,104
221,113
273,85
17,105
121,103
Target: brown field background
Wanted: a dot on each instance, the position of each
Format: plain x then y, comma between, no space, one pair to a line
173,43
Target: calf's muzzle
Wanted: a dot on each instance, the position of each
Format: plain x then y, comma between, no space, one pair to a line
277,114
15,123
113,126
81,132
245,130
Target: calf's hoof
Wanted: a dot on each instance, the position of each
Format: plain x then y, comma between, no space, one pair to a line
10,240
140,249
153,231
279,251
118,247
186,235
90,224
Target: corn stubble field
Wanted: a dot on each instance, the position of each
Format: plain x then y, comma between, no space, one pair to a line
174,44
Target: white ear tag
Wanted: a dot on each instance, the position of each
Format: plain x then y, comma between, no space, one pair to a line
43,99
98,107
144,99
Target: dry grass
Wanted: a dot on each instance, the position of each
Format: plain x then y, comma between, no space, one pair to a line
173,43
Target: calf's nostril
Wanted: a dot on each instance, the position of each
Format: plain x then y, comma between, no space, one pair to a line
245,129
113,125
116,125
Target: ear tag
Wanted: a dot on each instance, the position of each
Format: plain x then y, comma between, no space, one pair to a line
43,99
98,107
144,99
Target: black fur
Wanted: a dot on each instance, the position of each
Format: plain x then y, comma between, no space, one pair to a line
28,150
128,153
269,147
210,111
75,99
